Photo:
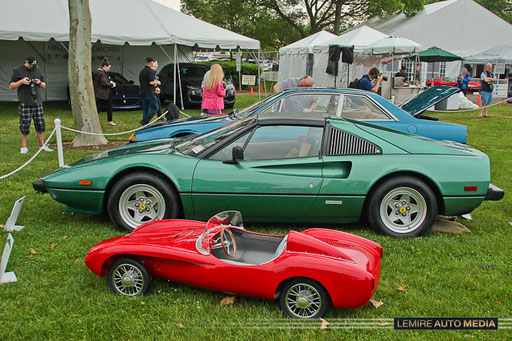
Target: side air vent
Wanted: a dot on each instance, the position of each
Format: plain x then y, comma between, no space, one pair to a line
343,143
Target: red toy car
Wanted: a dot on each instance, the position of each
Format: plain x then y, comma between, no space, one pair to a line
448,81
306,271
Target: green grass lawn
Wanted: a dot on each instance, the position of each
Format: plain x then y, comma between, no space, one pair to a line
57,297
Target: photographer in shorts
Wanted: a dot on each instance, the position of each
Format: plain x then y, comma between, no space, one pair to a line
29,81
365,83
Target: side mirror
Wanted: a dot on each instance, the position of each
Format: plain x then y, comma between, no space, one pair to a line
131,82
238,154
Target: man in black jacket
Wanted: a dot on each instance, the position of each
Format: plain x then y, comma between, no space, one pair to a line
29,81
148,84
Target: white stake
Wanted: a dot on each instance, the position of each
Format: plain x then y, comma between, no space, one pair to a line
10,225
7,277
58,135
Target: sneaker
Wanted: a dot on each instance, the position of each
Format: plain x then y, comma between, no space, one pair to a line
112,123
46,148
23,150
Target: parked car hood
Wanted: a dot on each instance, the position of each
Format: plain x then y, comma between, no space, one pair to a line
424,100
163,146
186,120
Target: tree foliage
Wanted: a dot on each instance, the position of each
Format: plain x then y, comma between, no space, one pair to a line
244,17
280,22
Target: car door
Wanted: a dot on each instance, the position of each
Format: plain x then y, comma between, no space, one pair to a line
278,179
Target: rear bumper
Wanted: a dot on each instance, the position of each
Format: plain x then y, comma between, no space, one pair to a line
39,186
494,193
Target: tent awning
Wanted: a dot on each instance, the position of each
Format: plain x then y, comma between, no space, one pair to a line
496,54
117,22
393,45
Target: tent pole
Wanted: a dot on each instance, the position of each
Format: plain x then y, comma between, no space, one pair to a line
175,67
259,75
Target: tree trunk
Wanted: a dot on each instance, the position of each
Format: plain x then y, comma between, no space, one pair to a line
81,90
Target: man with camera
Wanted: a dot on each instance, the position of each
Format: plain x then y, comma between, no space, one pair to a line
29,81
365,83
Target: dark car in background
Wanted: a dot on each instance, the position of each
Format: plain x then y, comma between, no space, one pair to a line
191,75
125,95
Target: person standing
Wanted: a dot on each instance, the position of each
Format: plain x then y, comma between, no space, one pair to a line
148,85
365,81
463,81
103,86
214,92
29,80
486,89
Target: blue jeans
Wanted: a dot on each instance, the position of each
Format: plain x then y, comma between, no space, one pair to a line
149,108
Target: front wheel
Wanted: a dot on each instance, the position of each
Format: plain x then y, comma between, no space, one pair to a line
128,276
139,198
402,207
304,299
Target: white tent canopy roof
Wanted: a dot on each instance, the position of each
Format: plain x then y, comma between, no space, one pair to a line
496,54
463,27
307,44
393,45
359,37
116,22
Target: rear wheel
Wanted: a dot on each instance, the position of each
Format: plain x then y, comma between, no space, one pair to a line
139,198
128,276
304,299
402,207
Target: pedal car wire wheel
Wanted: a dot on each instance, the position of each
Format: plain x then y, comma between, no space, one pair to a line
128,276
402,207
303,298
139,198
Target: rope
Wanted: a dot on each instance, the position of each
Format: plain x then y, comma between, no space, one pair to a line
32,158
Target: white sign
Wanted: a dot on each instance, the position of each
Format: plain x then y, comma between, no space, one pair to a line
248,80
10,225
501,90
7,277
500,68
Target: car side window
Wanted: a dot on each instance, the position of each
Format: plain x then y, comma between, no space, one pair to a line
321,104
225,153
283,142
359,107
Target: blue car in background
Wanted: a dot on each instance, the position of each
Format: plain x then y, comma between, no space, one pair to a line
350,103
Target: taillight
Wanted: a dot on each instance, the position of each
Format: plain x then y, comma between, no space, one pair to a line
470,188
132,138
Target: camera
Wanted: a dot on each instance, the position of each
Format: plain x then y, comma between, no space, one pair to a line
384,78
32,84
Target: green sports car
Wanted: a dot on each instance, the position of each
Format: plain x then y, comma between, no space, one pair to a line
281,169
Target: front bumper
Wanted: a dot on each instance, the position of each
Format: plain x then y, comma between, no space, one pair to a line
39,186
494,193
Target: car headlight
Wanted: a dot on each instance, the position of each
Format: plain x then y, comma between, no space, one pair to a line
195,92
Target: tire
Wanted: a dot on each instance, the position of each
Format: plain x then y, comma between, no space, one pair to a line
139,198
129,277
402,207
304,299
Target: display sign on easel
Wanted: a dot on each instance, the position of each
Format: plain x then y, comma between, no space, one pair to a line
11,222
7,277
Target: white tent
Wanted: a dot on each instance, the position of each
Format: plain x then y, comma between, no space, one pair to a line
496,54
295,58
393,45
462,27
359,38
126,32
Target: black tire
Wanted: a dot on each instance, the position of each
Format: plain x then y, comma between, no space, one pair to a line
304,298
129,277
402,207
127,210
229,106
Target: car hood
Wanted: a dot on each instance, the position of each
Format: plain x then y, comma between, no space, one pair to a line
127,89
184,121
164,146
424,100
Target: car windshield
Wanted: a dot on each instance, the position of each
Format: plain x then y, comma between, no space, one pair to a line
226,218
193,71
242,113
118,78
201,143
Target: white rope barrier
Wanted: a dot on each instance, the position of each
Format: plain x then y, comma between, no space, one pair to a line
113,134
32,158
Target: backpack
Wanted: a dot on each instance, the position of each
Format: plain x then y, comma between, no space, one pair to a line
173,112
354,84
